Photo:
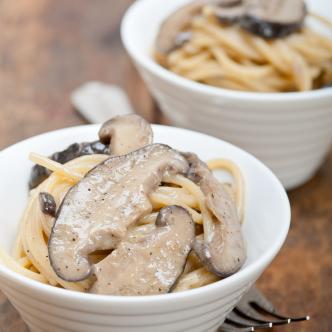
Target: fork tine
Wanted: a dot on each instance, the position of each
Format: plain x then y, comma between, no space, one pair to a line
256,316
253,327
277,315
254,302
299,319
247,321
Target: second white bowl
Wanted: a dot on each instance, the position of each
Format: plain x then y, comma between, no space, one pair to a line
290,132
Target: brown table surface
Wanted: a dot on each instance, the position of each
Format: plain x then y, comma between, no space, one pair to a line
47,48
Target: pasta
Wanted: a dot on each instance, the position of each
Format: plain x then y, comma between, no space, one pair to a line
30,256
230,57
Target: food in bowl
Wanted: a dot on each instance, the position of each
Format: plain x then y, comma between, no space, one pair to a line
126,216
47,308
248,45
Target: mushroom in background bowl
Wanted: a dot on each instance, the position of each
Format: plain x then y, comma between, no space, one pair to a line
204,308
290,132
246,45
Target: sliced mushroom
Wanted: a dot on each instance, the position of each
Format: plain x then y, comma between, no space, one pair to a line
173,33
176,23
40,173
149,264
273,18
126,134
224,253
95,213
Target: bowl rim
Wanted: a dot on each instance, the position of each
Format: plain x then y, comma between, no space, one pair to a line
152,66
229,282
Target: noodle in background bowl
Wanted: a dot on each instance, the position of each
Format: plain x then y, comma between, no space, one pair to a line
46,308
290,132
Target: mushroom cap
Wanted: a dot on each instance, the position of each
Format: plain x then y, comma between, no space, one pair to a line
95,213
126,133
273,18
224,252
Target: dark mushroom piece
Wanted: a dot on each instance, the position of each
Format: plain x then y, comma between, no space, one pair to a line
40,173
96,213
227,3
47,204
126,133
273,18
149,264
224,253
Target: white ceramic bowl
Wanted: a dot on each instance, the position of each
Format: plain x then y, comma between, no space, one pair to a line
46,308
290,132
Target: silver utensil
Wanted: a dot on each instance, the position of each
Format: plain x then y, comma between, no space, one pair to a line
98,102
255,312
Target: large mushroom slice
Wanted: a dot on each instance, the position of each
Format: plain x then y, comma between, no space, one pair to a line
224,253
126,133
151,263
273,18
95,213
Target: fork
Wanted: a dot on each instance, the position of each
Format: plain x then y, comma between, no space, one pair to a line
255,312
97,102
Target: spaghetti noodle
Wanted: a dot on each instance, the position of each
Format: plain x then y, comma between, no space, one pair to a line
230,57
